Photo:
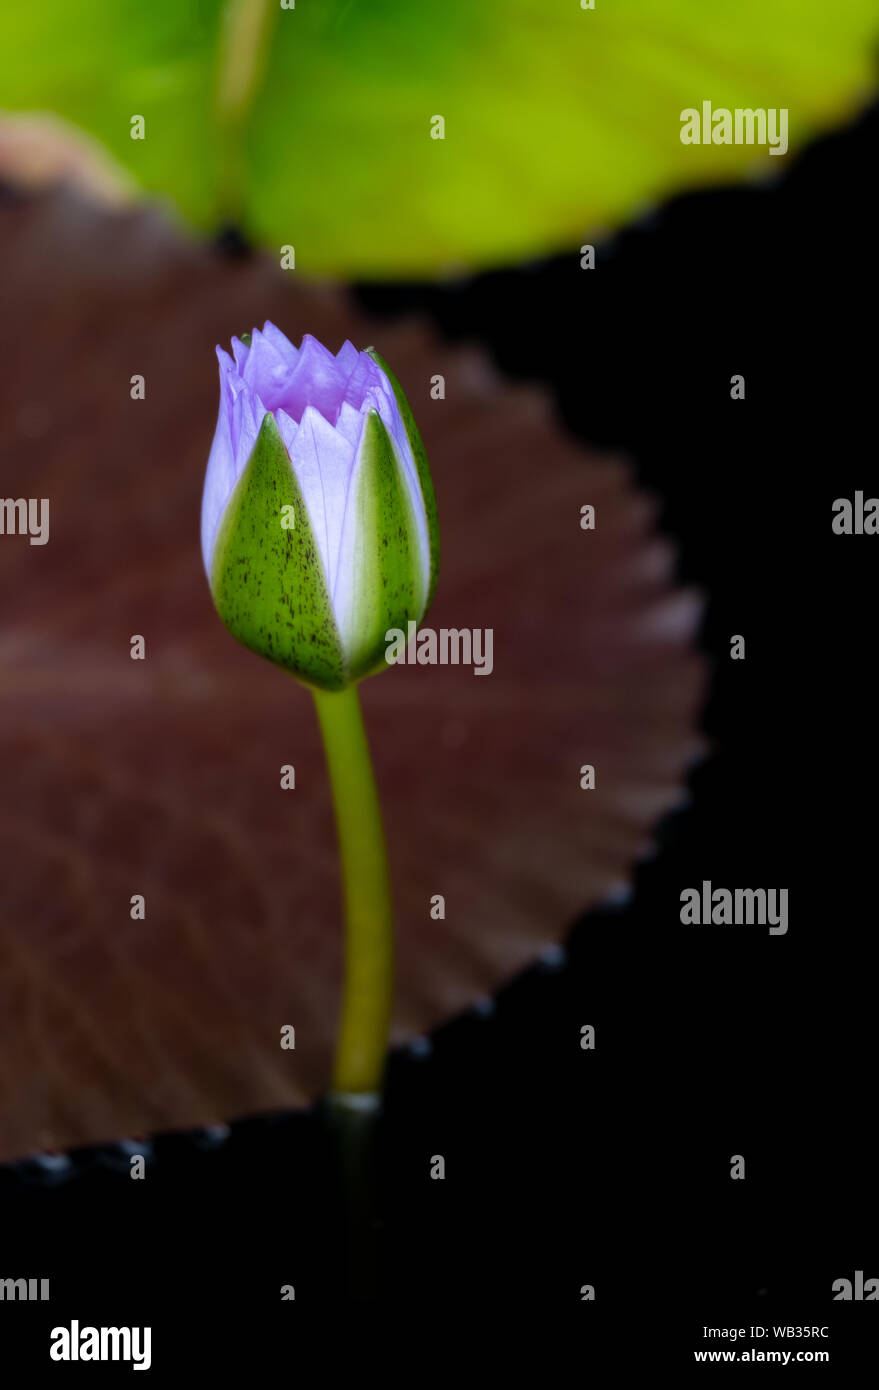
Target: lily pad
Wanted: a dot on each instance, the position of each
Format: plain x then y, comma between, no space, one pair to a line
161,777
558,121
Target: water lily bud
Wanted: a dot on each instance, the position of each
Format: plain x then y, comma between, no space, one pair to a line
318,525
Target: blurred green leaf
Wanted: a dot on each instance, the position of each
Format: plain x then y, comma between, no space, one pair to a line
98,63
558,121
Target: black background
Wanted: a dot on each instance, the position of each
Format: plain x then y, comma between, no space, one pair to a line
612,1167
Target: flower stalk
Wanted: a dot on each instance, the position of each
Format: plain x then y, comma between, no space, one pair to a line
369,949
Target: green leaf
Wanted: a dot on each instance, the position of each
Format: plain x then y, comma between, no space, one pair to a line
558,121
98,63
267,581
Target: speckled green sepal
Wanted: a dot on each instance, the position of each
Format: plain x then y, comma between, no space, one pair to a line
386,561
267,579
423,469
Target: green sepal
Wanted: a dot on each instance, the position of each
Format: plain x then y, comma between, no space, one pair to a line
386,551
268,582
419,453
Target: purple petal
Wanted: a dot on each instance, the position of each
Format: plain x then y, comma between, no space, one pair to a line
346,358
240,351
322,460
238,420
350,424
280,341
315,380
365,377
267,370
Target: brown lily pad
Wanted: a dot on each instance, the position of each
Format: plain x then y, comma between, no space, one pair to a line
162,777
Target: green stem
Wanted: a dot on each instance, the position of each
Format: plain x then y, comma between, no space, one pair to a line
367,996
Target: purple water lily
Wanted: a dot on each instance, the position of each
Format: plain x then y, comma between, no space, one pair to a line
331,439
